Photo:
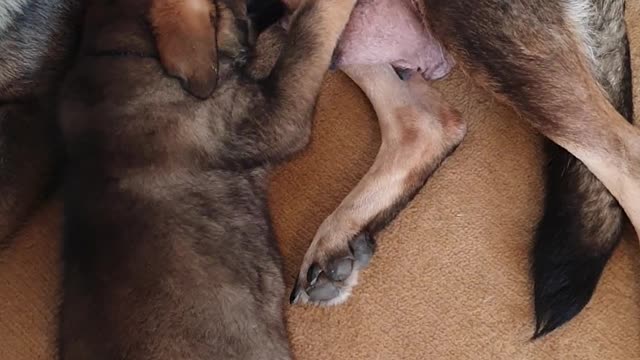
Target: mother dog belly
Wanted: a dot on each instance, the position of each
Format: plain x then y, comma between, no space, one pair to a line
392,31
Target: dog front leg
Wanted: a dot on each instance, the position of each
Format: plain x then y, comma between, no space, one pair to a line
419,130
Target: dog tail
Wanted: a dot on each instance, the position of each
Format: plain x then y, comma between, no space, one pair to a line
582,222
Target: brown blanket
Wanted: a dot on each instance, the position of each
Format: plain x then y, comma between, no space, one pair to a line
450,280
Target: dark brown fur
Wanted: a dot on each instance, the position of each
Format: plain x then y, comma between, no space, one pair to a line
169,252
36,44
37,41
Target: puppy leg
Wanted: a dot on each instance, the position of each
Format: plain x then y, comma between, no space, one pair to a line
282,103
186,41
418,131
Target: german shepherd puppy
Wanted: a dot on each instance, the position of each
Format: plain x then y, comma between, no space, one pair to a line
564,65
168,247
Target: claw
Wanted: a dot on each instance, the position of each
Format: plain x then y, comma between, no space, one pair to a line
295,293
331,275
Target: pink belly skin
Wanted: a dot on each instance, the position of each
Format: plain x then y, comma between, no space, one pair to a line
391,31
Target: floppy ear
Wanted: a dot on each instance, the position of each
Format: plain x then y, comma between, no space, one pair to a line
263,13
185,39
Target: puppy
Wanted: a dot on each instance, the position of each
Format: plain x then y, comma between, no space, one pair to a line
168,247
564,65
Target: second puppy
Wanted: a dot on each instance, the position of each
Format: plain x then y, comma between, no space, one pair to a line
169,252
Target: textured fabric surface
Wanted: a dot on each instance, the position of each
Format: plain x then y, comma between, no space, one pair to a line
450,279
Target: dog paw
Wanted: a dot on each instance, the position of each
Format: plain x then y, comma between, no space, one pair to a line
328,274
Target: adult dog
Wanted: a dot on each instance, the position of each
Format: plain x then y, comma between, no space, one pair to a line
562,64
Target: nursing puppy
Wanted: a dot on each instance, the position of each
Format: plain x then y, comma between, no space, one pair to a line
563,64
168,247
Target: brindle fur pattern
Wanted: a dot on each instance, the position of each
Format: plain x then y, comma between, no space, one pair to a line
168,248
37,38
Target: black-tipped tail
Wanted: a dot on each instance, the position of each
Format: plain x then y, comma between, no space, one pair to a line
580,229
564,289
582,223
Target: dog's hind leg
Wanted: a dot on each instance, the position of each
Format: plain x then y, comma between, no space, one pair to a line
532,55
582,222
283,99
418,131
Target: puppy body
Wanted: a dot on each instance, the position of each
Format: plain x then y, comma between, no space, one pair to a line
169,252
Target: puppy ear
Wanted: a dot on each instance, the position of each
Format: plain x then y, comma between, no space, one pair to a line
186,42
264,13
